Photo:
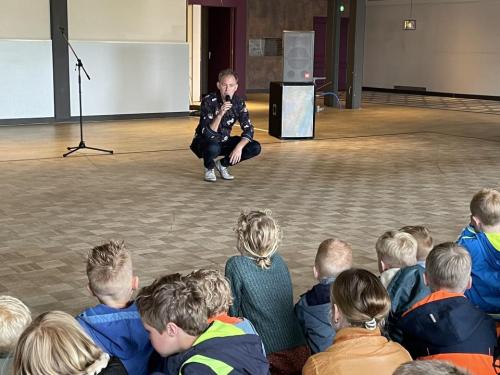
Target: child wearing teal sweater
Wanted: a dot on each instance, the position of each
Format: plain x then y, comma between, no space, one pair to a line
262,291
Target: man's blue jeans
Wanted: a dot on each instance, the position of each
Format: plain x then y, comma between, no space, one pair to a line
211,150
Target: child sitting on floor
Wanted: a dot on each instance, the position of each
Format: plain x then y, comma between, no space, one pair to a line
445,325
402,277
262,291
424,239
314,309
217,292
14,318
115,324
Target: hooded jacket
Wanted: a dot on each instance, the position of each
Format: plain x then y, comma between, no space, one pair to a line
446,326
313,311
484,249
120,333
405,289
221,349
358,351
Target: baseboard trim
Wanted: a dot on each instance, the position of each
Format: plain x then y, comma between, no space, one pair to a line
76,119
433,93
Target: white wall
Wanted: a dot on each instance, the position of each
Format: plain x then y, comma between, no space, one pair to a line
136,54
25,60
456,47
24,19
131,78
127,20
26,89
135,51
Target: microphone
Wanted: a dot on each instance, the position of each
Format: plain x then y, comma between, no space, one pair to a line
227,98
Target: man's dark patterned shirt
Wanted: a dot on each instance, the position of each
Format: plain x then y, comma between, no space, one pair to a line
210,107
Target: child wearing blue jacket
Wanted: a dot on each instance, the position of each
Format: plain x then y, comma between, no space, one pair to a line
115,324
482,240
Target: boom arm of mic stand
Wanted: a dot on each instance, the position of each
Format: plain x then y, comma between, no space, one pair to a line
78,61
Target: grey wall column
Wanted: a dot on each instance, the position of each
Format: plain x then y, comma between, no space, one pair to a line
332,49
60,59
355,53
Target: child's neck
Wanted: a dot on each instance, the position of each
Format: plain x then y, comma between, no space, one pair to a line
490,228
116,304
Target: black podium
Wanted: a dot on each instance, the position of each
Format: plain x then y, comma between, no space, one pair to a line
291,110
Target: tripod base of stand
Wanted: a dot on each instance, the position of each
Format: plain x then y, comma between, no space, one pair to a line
82,146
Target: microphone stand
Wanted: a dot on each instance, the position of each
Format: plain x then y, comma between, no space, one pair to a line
80,66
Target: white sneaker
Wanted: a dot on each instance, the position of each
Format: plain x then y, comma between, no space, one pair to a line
223,171
210,175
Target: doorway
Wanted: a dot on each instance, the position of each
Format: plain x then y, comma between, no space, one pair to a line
219,43
217,39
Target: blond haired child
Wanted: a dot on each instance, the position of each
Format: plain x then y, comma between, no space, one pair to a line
424,241
14,318
218,298
402,277
56,344
395,250
115,324
262,291
313,309
482,240
445,325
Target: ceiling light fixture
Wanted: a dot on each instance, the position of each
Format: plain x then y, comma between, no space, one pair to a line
410,23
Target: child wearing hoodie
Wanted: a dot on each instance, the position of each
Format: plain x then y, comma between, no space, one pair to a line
115,324
314,308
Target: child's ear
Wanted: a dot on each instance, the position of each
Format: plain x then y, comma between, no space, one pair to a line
135,282
171,329
469,284
316,273
476,223
381,266
336,316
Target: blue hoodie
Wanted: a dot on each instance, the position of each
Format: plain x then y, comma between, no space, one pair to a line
484,249
120,333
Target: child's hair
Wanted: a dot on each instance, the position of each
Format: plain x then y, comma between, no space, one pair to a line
56,344
397,249
172,299
485,205
109,270
258,236
448,266
423,237
426,367
215,289
333,257
14,318
361,298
